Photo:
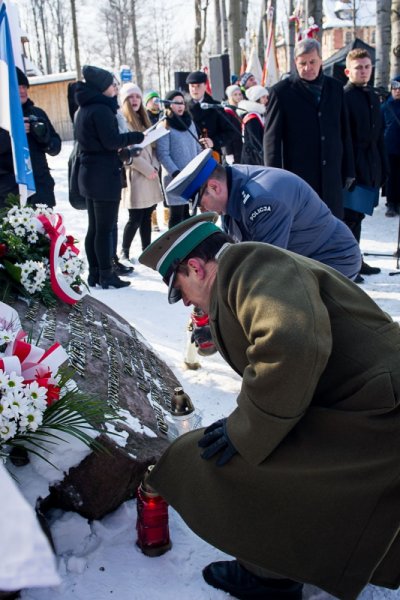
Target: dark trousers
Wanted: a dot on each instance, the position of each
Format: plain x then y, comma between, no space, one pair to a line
353,220
177,214
139,218
102,217
393,182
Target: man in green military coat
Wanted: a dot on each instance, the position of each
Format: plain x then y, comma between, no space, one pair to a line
301,482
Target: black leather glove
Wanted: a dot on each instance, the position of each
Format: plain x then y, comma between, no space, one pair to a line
201,335
216,439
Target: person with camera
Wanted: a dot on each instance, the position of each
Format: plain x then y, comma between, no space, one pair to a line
42,140
100,171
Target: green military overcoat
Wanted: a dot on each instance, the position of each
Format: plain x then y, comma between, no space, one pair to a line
314,491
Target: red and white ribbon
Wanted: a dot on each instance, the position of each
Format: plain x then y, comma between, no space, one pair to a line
54,227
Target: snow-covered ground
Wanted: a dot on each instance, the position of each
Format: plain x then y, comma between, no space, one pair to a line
100,560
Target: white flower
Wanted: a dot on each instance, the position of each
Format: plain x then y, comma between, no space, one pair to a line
31,420
14,381
3,379
8,430
35,392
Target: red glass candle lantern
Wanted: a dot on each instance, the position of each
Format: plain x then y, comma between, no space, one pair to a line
152,520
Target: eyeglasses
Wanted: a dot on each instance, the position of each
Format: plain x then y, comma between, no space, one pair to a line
395,85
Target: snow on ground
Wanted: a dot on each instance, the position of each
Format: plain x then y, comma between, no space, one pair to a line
100,560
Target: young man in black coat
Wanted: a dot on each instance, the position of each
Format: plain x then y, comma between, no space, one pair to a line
212,126
306,128
42,140
367,128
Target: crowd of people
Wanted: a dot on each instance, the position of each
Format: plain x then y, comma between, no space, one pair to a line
301,482
344,142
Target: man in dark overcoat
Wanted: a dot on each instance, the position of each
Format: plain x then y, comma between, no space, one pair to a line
42,139
367,129
306,128
301,482
213,127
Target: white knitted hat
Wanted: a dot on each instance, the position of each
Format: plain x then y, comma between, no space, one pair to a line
127,89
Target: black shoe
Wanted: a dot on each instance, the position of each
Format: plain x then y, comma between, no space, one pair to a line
110,279
390,212
93,277
121,269
368,270
230,576
359,279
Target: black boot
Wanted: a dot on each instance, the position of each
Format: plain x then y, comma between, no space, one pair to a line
93,277
233,578
110,279
121,269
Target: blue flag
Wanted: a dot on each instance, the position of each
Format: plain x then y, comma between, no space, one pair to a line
11,117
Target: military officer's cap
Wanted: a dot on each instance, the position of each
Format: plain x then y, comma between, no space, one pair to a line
170,249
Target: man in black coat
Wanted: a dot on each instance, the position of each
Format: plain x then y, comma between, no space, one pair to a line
306,128
42,140
212,126
367,128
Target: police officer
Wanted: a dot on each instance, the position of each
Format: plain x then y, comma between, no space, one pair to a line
267,204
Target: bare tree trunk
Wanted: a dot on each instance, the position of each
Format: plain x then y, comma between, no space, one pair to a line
234,30
43,25
135,41
218,27
39,58
200,30
292,40
225,42
244,9
262,31
395,55
76,41
383,36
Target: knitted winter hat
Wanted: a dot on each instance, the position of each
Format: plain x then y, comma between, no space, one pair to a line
149,95
98,78
172,93
127,89
231,89
22,78
245,77
256,92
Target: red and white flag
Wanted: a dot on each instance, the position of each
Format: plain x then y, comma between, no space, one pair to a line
270,71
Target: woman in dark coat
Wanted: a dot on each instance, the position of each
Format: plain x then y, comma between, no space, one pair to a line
96,129
234,147
391,114
253,125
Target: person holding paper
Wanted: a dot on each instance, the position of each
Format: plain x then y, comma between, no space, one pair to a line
143,191
367,127
99,179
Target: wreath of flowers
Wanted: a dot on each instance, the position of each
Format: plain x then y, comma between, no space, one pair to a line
36,255
38,398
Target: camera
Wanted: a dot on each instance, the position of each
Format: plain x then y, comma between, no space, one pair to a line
38,127
126,154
